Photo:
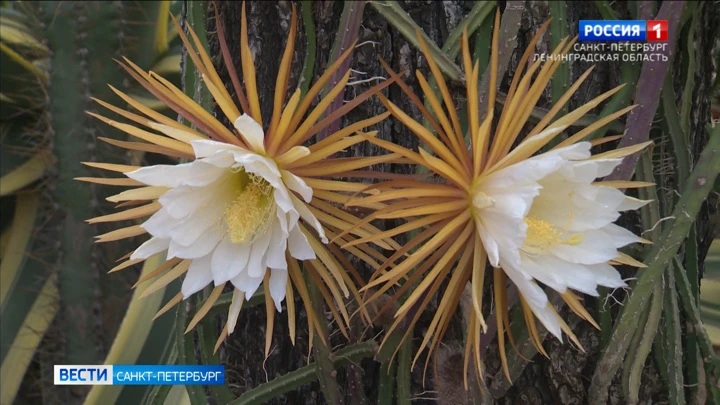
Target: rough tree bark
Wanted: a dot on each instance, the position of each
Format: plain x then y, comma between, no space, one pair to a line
564,378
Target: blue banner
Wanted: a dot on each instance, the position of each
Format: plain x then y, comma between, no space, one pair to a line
164,375
140,375
612,30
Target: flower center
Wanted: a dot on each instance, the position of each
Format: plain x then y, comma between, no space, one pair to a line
542,235
247,217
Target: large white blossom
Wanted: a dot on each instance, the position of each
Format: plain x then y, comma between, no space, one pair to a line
538,218
542,219
231,211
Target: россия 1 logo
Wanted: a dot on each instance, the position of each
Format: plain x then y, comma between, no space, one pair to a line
623,30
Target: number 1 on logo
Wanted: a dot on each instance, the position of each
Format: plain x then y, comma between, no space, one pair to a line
657,30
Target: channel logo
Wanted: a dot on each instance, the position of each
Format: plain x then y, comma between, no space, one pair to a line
124,374
623,30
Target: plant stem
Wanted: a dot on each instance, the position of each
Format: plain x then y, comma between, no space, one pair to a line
649,216
646,342
630,358
77,277
673,334
305,375
308,69
398,18
346,37
691,247
693,314
698,186
403,372
678,137
509,26
386,390
473,21
186,349
325,369
629,72
647,92
690,74
561,79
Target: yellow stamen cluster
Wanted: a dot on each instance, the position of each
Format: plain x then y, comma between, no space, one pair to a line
247,217
542,235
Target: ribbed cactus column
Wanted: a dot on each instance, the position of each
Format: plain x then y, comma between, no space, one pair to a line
83,37
68,78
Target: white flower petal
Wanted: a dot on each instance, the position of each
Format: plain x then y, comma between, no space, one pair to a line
182,201
228,260
489,243
297,185
240,260
587,171
194,174
234,311
150,247
262,166
599,198
308,216
275,255
189,230
513,206
256,264
283,200
197,276
631,204
596,247
205,147
549,318
520,174
537,167
278,282
620,236
606,275
223,159
282,221
203,246
577,151
575,208
251,131
501,226
539,269
299,246
221,261
502,236
559,274
160,224
268,170
532,292
247,284
292,219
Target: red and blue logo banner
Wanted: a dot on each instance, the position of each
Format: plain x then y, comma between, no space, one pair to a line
623,30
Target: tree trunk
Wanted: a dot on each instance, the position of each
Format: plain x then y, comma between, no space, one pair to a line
564,377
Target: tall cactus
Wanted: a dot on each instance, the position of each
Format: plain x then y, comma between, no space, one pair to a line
75,38
56,57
